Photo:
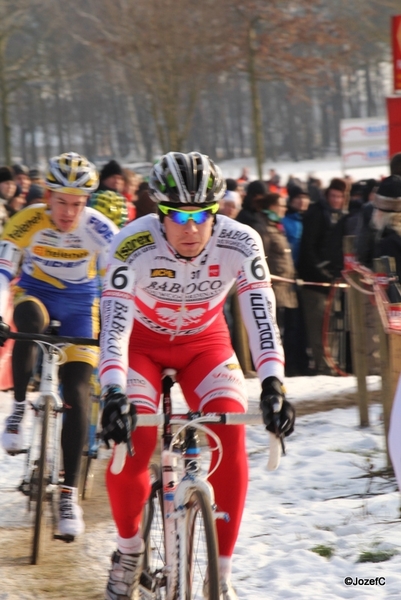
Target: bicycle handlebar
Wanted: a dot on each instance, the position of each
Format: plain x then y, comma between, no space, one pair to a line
155,420
52,339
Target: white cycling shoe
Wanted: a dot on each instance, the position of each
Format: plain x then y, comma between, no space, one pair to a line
124,575
71,521
12,438
12,441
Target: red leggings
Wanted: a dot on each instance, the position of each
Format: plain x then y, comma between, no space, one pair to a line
209,375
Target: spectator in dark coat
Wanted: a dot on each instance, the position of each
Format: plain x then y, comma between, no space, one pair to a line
314,265
251,213
350,223
298,203
386,220
280,262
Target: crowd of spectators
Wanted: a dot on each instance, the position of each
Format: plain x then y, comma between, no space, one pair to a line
302,225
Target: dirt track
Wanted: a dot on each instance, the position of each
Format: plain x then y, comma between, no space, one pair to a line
78,571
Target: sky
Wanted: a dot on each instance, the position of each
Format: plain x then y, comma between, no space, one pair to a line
323,498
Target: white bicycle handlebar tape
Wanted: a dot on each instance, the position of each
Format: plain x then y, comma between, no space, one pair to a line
4,294
274,452
120,451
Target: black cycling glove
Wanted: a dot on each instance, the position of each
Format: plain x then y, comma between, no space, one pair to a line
4,332
278,413
118,417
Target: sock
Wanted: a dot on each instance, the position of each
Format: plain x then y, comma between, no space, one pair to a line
225,563
133,545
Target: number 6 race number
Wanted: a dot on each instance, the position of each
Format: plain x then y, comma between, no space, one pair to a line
120,278
255,269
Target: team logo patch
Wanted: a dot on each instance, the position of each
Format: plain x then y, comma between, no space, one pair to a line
133,243
232,366
22,228
60,253
214,270
162,273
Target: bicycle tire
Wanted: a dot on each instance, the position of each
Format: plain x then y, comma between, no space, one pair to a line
153,581
202,549
42,480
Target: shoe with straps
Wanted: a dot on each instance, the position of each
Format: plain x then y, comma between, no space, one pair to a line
124,576
71,522
12,438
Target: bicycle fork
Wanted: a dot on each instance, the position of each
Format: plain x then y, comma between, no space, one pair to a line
176,500
48,393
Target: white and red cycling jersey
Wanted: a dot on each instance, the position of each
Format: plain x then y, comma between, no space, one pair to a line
159,310
148,283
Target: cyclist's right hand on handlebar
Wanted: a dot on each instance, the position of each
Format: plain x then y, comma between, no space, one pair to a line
118,418
4,332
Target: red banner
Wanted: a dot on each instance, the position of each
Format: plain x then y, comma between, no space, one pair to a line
396,43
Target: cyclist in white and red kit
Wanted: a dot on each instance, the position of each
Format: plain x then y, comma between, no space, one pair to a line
162,306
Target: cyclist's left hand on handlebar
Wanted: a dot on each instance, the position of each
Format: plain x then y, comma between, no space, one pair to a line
278,413
4,332
118,417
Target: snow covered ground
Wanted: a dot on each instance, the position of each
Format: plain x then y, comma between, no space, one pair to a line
306,527
324,169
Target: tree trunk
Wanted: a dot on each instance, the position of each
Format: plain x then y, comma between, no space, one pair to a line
256,105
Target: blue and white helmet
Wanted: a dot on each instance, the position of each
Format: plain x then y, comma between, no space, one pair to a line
191,178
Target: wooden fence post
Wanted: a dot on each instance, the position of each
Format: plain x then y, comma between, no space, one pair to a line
390,349
358,337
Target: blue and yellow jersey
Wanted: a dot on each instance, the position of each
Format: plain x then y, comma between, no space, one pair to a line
54,261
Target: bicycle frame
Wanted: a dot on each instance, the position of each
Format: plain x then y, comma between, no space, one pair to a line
48,392
177,491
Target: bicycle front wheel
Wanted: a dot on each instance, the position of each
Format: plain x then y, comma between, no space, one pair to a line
153,578
202,549
42,478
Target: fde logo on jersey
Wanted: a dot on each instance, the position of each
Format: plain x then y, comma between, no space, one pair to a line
214,270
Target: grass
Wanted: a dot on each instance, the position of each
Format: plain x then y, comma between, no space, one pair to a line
376,556
322,550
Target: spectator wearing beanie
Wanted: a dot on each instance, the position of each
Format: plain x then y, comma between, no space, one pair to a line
231,185
21,178
386,220
314,264
297,204
111,177
35,194
7,184
251,211
230,204
36,177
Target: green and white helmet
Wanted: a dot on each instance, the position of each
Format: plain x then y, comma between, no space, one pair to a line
191,178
